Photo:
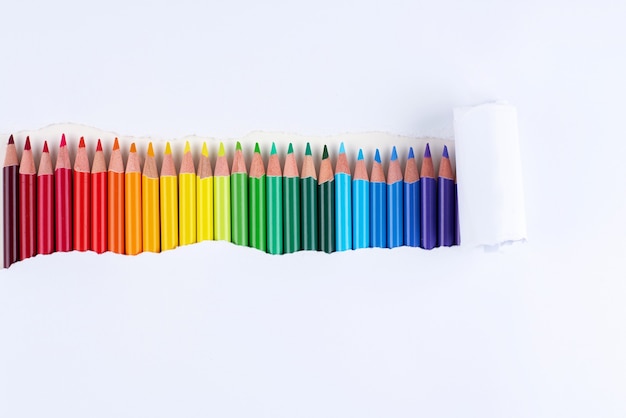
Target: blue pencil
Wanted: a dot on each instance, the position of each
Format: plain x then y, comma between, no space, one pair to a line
394,202
411,202
360,205
378,204
343,202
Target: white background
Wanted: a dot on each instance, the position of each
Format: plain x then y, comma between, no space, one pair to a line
534,330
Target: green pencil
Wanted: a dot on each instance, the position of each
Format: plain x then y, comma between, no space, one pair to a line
308,185
258,207
239,198
326,204
274,204
291,193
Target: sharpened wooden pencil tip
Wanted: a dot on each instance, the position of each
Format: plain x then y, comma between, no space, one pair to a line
133,147
27,144
11,141
116,145
99,146
187,147
221,152
81,143
150,150
45,146
168,148
205,150
63,142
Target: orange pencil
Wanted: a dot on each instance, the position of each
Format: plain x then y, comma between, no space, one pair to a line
115,212
132,199
99,201
150,204
82,198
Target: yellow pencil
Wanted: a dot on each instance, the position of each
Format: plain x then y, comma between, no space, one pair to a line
205,196
169,201
132,190
187,198
150,204
221,196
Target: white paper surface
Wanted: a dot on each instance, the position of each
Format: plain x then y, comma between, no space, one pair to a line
489,175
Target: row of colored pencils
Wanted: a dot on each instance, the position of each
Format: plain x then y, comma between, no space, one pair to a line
127,210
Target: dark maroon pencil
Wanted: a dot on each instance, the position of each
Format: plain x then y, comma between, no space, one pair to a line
10,179
428,201
446,224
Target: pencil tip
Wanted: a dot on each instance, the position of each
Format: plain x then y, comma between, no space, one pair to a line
445,152
11,141
45,146
168,148
238,146
150,150
27,144
257,148
221,152
273,152
360,157
81,143
116,144
427,151
325,153
377,157
99,145
187,147
342,149
308,149
290,150
394,154
205,150
133,148
411,155
63,143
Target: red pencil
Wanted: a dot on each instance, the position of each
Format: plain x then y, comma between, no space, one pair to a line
45,204
27,198
82,198
63,198
99,201
10,186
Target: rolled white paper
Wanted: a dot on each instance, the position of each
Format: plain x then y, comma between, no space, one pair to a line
489,175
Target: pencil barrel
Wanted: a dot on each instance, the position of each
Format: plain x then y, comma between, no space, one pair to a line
446,214
412,214
274,214
258,213
457,240
360,214
115,212
10,188
45,214
63,209
221,208
394,215
99,212
187,208
82,210
378,214
150,214
309,213
291,190
133,223
428,202
326,210
168,196
239,208
343,212
27,216
205,208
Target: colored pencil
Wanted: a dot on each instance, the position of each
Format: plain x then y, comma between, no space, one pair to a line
411,202
360,205
221,197
150,204
82,199
308,189
343,202
45,203
395,205
99,201
326,204
204,200
428,202
168,197
378,204
115,197
27,206
274,204
132,203
63,198
187,198
457,240
291,200
447,202
239,198
10,191
258,199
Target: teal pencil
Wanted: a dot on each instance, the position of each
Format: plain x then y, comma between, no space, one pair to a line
360,205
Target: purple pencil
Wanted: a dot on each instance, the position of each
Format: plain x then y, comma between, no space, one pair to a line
456,204
428,201
446,230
